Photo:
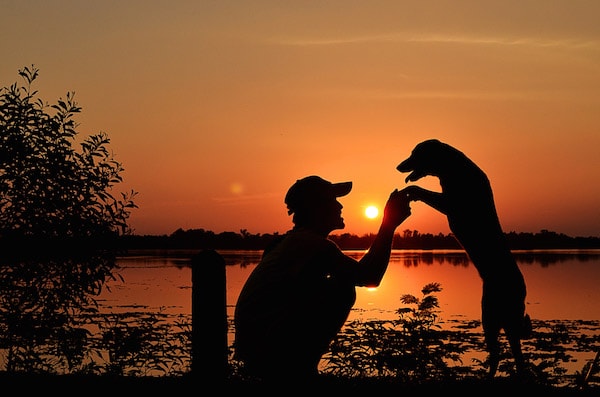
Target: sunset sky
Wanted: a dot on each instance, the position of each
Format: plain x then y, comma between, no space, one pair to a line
216,107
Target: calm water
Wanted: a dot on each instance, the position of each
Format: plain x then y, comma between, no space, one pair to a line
561,285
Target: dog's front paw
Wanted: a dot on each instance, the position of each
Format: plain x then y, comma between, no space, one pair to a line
413,192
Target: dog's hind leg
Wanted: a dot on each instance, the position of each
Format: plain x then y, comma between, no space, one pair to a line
514,339
492,343
515,347
491,322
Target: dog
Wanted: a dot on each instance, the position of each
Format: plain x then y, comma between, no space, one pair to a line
467,201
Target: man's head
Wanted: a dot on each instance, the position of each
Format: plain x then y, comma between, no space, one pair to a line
313,201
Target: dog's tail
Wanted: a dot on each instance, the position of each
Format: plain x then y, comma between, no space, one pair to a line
526,327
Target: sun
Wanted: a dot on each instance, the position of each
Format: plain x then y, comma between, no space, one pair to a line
371,212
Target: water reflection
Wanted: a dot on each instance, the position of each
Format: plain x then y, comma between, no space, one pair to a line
561,284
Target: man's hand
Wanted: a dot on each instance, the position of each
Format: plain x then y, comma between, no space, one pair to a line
397,208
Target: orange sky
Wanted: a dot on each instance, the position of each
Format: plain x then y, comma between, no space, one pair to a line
216,107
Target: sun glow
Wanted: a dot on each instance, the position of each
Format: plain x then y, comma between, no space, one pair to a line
371,212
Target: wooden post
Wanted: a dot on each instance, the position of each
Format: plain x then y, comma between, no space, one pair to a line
209,318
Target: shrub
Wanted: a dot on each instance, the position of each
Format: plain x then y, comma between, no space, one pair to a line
59,224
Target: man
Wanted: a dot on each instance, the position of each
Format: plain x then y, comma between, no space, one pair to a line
299,296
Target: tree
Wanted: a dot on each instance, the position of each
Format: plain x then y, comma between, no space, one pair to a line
59,225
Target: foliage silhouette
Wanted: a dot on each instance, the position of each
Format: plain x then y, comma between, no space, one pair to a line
59,227
411,348
415,349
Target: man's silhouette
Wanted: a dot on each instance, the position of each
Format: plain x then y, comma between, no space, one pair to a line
300,294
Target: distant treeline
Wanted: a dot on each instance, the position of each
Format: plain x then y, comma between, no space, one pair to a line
408,239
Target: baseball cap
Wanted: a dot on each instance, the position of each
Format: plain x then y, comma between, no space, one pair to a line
313,188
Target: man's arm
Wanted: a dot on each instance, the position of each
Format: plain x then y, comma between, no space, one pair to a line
375,262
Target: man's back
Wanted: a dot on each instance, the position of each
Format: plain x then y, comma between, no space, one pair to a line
285,316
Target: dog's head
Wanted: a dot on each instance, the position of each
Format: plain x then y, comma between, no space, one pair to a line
426,158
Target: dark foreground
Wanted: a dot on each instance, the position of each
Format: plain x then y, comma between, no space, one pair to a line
66,385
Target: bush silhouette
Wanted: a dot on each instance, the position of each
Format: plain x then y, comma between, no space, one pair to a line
59,226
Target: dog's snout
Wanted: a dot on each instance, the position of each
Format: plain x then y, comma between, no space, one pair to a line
404,166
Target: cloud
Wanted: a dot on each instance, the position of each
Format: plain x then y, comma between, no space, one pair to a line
463,94
506,41
440,38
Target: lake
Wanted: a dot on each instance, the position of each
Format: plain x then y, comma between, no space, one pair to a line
562,285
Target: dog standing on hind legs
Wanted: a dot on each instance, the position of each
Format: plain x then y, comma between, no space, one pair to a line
467,201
